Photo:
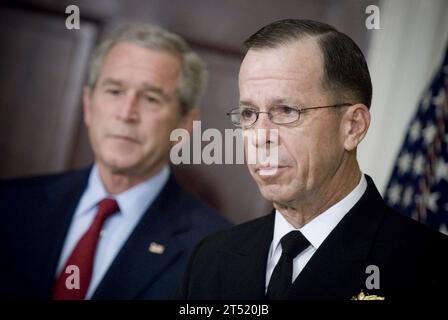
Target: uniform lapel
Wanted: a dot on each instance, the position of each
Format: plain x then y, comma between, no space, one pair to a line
337,270
245,266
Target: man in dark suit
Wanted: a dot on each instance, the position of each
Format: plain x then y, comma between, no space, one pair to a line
331,236
123,228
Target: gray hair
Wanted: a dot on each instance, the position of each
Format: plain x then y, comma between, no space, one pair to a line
193,76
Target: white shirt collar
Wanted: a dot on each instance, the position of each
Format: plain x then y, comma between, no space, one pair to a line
132,201
317,230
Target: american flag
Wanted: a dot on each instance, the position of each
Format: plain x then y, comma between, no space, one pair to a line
418,186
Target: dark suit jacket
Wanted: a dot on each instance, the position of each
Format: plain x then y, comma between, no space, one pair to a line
411,259
35,214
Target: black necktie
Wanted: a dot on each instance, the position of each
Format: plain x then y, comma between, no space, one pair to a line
292,244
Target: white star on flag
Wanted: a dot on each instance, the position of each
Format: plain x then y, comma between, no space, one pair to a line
394,193
441,170
404,163
428,133
440,99
431,201
419,162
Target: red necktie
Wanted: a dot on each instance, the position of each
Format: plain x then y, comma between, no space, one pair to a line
74,280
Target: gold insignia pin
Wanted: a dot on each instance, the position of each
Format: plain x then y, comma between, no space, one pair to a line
156,248
362,296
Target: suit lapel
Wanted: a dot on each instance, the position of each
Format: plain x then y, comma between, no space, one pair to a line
245,266
135,266
59,204
337,268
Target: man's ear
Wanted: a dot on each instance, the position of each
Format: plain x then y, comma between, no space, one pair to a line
355,123
187,120
86,103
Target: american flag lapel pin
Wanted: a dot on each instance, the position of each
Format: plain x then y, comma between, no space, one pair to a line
156,248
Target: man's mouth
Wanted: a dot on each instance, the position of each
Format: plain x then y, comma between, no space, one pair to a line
124,138
268,170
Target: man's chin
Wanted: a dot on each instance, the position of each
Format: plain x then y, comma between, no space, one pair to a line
122,167
273,193
122,170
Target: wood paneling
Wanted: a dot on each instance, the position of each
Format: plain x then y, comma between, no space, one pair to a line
42,69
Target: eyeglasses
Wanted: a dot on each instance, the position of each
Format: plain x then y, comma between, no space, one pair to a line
245,117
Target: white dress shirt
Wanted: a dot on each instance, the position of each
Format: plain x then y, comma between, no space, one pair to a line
315,231
132,203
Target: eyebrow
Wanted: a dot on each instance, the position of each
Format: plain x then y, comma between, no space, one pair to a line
247,103
275,101
146,87
113,82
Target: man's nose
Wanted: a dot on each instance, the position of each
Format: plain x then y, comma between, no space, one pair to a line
128,110
262,132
